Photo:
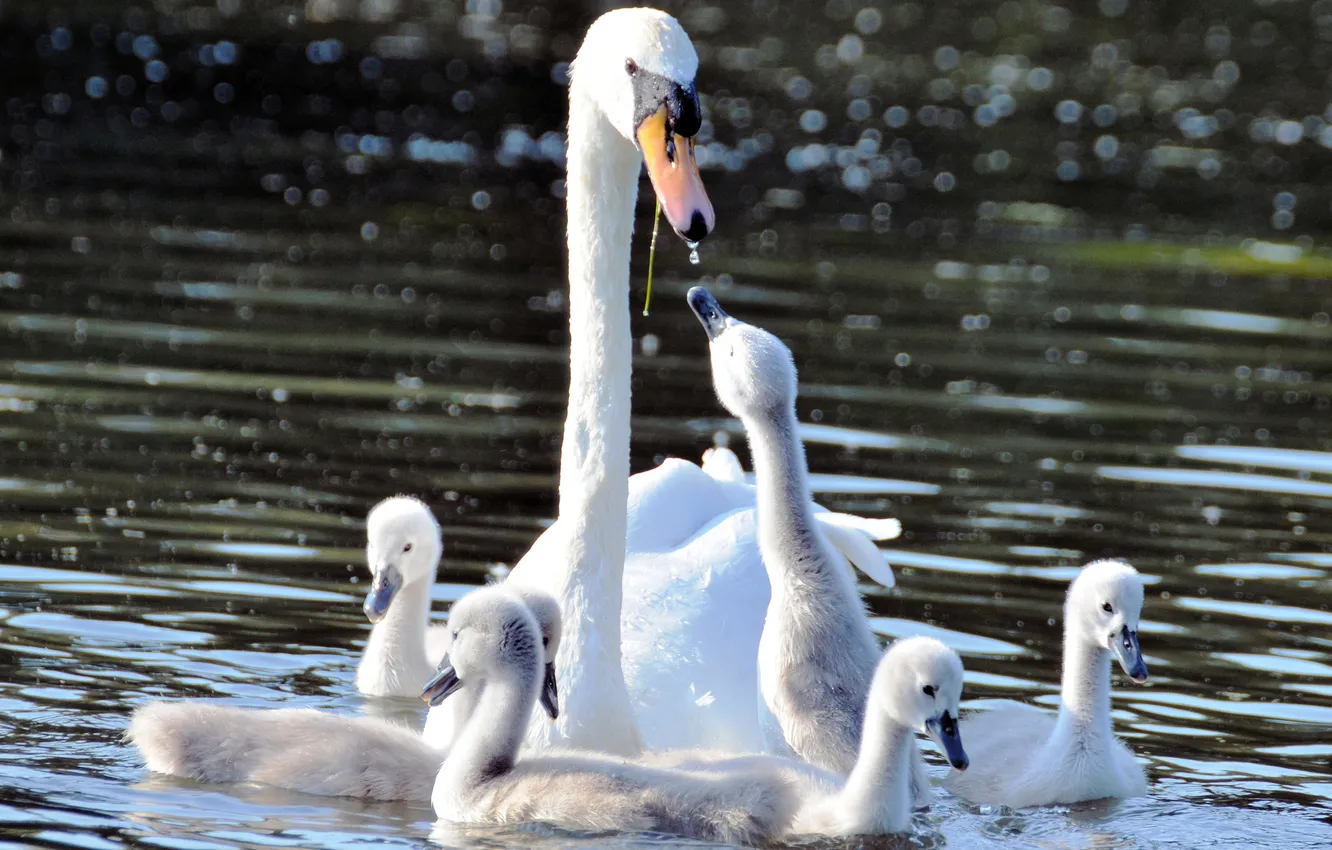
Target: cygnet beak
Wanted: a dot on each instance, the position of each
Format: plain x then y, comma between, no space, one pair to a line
442,685
709,312
550,694
386,583
1125,647
943,729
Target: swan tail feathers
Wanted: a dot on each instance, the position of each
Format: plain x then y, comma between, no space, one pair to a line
857,547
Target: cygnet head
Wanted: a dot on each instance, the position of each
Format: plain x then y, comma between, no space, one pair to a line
547,613
402,545
495,637
752,370
1103,606
638,66
919,685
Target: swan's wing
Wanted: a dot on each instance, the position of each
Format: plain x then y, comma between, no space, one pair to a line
722,464
875,529
856,547
539,567
690,630
671,503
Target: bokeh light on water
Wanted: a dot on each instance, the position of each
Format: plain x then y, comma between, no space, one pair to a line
1055,278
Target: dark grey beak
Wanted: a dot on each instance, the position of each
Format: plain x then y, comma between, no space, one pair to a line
444,684
943,729
709,312
550,695
387,582
1125,647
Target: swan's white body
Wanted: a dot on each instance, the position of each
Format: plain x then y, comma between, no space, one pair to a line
403,649
1024,756
687,637
817,655
695,593
483,781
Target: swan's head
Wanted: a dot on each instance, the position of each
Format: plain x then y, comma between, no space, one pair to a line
638,66
752,371
495,638
402,545
547,613
1103,606
919,685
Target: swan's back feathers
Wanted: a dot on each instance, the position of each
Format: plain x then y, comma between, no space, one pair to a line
584,791
300,749
722,464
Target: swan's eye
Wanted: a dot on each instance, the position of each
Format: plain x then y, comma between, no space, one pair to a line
455,634
1107,608
929,690
407,548
545,641
630,67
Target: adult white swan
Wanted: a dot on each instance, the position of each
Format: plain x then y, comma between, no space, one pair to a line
693,597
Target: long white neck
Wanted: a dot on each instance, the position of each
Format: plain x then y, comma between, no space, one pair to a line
877,794
1084,708
395,661
602,188
488,744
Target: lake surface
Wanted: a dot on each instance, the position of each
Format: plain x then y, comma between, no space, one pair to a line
1054,283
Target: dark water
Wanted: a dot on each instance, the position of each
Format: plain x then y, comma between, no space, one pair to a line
1054,279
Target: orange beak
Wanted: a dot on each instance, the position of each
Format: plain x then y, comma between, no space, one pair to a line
674,173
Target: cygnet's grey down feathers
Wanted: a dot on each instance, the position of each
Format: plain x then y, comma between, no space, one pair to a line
589,791
297,748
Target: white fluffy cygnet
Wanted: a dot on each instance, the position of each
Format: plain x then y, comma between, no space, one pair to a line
817,654
496,654
1024,756
917,687
403,547
318,752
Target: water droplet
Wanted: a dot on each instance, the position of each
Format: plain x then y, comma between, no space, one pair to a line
693,252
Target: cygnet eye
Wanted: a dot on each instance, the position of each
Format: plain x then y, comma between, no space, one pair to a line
407,548
929,690
630,67
1107,608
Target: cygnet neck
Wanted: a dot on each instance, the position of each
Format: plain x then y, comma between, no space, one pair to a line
488,744
399,639
785,521
877,794
1085,689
